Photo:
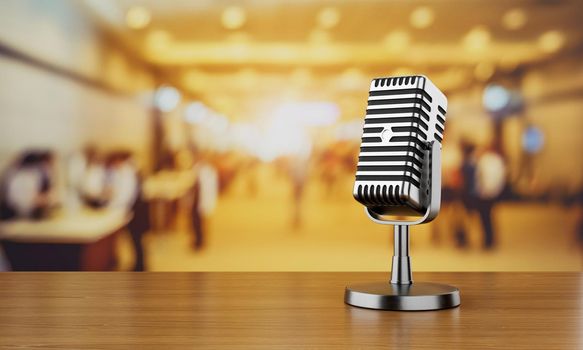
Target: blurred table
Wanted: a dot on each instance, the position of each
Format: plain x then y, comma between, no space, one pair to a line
77,240
282,310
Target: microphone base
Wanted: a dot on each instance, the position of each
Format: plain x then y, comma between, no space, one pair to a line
419,296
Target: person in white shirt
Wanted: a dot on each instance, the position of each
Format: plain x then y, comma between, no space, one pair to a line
28,187
205,193
123,190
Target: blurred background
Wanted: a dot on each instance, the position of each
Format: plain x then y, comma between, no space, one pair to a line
222,135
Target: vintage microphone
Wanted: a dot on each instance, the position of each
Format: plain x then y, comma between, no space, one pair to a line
398,180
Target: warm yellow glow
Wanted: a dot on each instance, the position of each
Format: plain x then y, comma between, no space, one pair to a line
477,39
247,78
328,17
551,41
484,71
353,79
158,40
233,17
397,40
318,36
403,71
514,19
239,37
301,77
422,17
138,17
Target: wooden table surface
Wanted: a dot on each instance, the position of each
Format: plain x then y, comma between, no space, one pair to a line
281,310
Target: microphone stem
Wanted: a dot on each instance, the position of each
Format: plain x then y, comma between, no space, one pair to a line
401,269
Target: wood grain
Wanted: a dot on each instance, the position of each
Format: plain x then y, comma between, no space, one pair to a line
281,310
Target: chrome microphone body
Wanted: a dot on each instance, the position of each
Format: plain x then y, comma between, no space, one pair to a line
404,116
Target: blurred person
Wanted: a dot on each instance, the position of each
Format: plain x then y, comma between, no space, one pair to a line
91,185
29,187
484,178
452,212
298,172
123,191
204,197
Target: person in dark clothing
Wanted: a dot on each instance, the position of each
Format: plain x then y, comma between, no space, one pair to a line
124,192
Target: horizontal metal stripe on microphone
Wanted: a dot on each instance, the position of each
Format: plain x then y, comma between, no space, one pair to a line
441,119
400,178
391,120
401,92
439,128
410,129
371,139
438,137
380,168
373,149
396,101
415,140
398,110
410,159
372,130
441,110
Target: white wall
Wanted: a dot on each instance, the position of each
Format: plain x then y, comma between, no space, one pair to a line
39,108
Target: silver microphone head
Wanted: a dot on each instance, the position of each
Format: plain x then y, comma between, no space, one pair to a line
404,116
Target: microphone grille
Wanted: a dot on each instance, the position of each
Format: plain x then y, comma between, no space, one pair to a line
404,115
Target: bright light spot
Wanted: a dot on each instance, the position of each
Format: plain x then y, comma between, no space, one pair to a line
138,17
551,41
514,19
477,39
308,113
484,71
533,139
328,17
496,98
233,17
349,130
167,98
422,17
196,113
397,40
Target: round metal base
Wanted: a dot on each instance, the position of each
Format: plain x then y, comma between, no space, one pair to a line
417,296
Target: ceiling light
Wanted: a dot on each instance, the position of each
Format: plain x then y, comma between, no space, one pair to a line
138,17
495,98
233,17
422,17
328,17
514,19
551,41
397,40
167,98
196,113
477,39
